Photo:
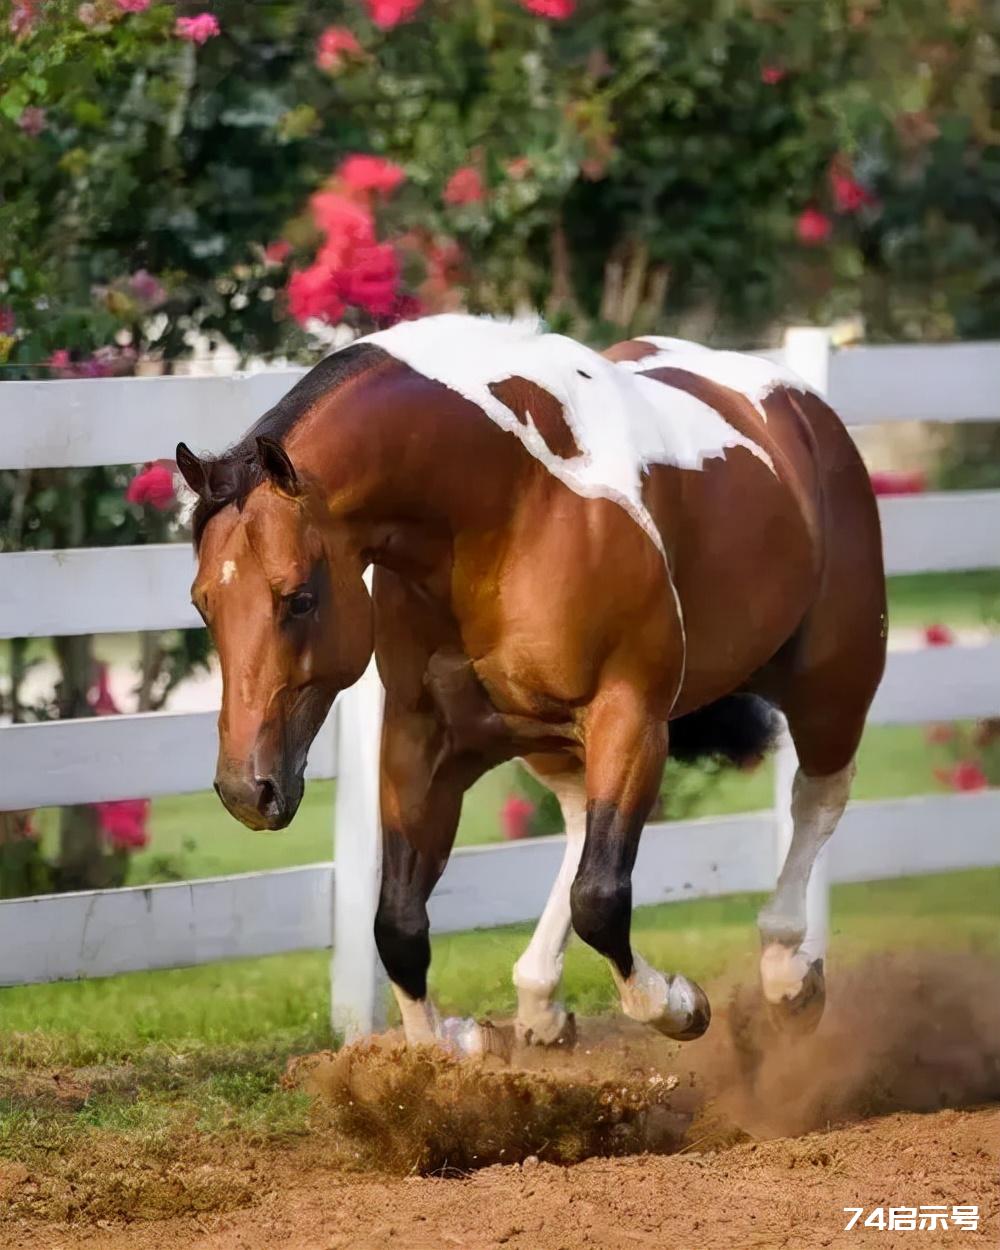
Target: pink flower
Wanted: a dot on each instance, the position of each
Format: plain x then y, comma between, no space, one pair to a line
848,194
515,817
278,252
465,186
123,823
23,16
198,29
32,121
313,293
407,307
370,279
87,13
153,486
813,227
133,6
336,45
940,735
558,10
388,13
965,776
8,322
342,219
896,482
519,167
370,173
772,74
147,289
101,700
938,636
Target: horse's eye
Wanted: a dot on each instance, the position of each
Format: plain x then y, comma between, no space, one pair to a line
301,603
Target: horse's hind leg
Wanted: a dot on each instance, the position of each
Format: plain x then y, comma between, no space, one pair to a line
793,940
825,690
626,750
541,1020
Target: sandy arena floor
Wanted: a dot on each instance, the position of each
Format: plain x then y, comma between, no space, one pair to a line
725,1144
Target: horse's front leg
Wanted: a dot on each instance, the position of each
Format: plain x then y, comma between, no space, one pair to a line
421,799
541,1018
626,748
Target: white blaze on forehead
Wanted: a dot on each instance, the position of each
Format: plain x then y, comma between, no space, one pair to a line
752,376
228,573
621,421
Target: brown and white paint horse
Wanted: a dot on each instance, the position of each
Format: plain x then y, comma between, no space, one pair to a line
587,561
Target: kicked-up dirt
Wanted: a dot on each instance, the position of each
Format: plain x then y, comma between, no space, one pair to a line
742,1140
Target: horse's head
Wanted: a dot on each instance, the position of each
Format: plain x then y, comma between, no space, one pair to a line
280,588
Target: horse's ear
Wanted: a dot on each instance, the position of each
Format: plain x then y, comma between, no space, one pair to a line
193,471
275,463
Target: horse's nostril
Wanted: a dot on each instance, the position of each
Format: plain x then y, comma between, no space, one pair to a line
267,797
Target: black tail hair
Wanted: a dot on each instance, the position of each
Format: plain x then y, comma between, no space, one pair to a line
736,729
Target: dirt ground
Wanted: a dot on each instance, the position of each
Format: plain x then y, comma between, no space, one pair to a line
742,1141
785,1192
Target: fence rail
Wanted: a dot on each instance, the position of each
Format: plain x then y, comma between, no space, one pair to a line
105,932
127,589
151,753
79,424
139,755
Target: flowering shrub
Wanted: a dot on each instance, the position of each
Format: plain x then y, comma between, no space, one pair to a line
153,486
335,47
938,636
970,754
813,227
515,817
898,482
465,186
694,169
197,29
388,13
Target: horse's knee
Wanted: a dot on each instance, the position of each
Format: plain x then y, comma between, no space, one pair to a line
402,936
601,909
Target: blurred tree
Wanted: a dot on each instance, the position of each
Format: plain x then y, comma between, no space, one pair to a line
707,166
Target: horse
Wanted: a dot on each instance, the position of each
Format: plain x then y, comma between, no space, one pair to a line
588,561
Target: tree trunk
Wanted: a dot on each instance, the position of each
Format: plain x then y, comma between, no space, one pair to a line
80,864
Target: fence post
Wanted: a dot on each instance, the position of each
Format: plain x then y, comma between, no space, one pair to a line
807,352
358,980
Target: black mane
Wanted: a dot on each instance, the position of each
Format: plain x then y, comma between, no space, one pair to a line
234,473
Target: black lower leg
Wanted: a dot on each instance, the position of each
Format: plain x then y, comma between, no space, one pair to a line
402,930
601,895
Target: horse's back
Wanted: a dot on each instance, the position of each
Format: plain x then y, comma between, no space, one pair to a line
751,550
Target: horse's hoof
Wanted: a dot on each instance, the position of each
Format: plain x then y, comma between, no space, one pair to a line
559,1029
474,1039
687,1013
794,991
497,1039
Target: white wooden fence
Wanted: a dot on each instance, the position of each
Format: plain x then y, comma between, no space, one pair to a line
75,424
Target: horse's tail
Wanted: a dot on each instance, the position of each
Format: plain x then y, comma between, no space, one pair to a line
738,729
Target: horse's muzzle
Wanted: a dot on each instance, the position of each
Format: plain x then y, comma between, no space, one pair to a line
258,802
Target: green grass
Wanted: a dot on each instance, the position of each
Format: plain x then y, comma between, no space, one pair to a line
282,1002
183,1068
958,599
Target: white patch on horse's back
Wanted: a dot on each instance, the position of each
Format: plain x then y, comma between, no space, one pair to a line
752,376
621,421
228,573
